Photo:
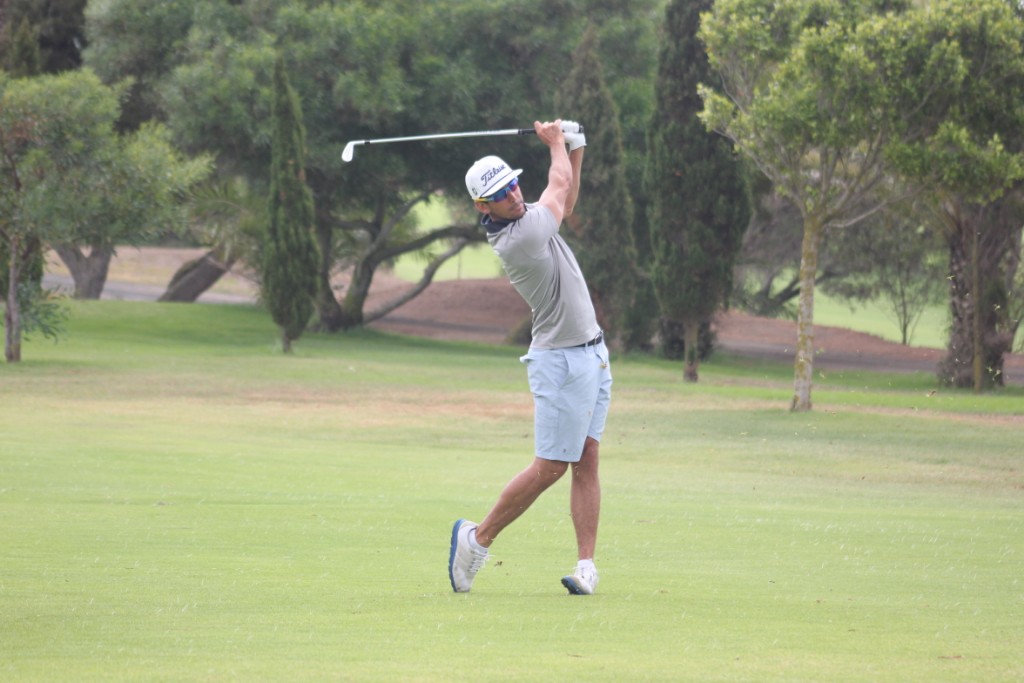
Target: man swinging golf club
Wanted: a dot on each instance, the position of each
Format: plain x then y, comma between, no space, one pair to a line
567,363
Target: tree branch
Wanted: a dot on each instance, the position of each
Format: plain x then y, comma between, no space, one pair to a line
399,215
469,233
417,289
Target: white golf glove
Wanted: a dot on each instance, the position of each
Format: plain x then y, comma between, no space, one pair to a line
574,135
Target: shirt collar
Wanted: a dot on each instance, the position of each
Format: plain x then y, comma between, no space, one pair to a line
492,226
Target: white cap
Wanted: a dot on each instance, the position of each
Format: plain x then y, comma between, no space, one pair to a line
488,175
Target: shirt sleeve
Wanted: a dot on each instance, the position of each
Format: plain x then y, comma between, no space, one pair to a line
537,227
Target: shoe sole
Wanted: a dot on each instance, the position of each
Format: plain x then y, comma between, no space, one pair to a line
573,586
451,553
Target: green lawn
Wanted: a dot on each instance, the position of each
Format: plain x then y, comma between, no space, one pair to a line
875,317
181,502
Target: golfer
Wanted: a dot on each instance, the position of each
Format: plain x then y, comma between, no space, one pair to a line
567,363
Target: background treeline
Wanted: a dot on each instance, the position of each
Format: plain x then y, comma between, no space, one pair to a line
871,148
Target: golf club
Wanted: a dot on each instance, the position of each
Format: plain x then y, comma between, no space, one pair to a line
350,148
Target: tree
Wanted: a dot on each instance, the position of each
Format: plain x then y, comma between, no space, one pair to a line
50,39
57,28
289,252
229,216
603,219
942,85
68,177
895,257
819,95
699,204
983,241
137,42
767,267
19,49
629,43
143,195
351,66
49,126
972,169
19,57
362,74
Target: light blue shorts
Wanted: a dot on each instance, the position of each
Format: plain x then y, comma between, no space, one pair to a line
572,389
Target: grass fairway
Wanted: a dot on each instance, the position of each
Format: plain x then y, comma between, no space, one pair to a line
181,502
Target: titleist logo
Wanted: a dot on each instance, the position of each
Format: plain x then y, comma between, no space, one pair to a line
490,174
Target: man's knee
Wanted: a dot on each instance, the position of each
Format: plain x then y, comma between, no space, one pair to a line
550,470
590,450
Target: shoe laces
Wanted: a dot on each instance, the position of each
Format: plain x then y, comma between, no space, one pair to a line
477,562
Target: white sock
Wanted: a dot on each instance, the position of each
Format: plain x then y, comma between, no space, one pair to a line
472,542
586,564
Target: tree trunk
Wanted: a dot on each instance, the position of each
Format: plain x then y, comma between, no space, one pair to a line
198,275
88,272
328,311
673,342
12,312
691,334
977,360
981,240
355,295
803,365
956,368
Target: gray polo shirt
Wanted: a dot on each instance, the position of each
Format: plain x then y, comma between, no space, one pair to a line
542,268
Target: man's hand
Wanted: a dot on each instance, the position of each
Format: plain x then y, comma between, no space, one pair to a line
550,132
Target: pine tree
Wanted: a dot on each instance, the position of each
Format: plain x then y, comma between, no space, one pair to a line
604,214
699,206
289,263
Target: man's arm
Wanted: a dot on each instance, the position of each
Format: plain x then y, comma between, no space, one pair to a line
556,196
576,163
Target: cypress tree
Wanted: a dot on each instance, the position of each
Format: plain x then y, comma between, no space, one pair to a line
604,215
19,50
289,259
699,205
57,32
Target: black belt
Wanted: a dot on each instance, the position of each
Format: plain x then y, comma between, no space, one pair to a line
595,340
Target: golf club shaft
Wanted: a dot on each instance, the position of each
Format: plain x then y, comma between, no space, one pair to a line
441,136
349,151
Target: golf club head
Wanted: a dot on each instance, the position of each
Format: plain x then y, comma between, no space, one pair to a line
349,151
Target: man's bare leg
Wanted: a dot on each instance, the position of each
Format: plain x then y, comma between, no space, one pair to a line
585,499
519,494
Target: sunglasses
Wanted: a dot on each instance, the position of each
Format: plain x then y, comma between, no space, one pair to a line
502,193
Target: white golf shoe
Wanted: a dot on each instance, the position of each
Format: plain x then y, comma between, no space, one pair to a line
583,581
464,561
